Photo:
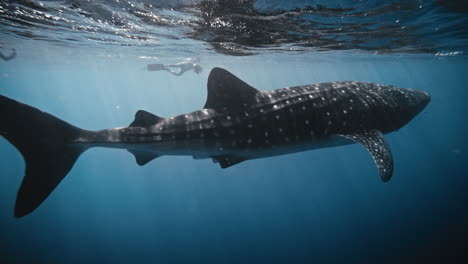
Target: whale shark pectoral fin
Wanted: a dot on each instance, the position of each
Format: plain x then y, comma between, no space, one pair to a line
144,119
226,91
375,143
226,161
143,157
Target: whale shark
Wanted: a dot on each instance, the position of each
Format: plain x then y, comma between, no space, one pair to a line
237,123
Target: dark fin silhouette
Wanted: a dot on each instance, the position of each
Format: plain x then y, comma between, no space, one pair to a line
145,119
43,140
226,91
143,157
375,143
226,161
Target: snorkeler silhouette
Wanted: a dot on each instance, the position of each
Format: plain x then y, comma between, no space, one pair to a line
176,69
11,56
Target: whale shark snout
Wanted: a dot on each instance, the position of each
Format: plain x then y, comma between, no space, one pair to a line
421,99
416,101
400,106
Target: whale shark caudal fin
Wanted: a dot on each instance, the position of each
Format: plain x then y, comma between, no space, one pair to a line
43,140
375,143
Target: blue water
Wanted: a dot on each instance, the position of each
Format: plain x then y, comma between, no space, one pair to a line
321,206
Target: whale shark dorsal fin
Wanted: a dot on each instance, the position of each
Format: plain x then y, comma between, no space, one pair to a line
226,91
143,157
375,143
145,119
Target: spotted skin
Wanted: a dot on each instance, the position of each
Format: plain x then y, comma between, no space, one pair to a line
374,142
237,123
240,122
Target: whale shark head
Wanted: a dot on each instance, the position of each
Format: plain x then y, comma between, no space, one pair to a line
418,100
402,105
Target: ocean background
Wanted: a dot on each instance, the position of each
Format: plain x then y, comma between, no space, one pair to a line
84,62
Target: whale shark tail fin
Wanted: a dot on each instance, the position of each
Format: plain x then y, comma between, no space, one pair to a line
43,140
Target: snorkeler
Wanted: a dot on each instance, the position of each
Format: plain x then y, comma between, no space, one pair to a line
176,69
11,56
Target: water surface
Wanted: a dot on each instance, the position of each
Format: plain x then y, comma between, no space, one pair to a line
83,61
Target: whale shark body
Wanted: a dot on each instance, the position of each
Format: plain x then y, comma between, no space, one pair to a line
237,123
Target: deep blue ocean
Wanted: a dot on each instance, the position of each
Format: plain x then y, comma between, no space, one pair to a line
84,62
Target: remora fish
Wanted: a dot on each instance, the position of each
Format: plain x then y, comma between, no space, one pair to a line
237,123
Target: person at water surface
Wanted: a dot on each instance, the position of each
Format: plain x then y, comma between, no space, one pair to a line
175,69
